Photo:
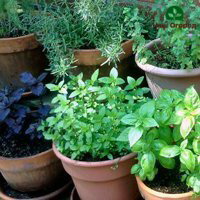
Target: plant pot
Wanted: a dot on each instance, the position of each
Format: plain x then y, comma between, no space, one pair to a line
51,196
107,180
18,55
31,173
74,195
89,60
160,78
149,194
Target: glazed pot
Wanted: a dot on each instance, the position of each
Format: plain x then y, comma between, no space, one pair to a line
18,55
160,78
51,196
89,60
107,180
149,194
31,173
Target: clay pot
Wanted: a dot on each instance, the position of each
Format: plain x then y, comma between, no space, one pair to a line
51,196
89,60
18,55
149,194
31,173
160,78
107,180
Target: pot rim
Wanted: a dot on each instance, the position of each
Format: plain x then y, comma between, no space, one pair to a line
148,68
28,157
47,196
97,50
160,194
19,37
91,164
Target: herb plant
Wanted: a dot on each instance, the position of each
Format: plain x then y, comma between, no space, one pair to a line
11,16
166,132
16,117
86,119
62,27
180,36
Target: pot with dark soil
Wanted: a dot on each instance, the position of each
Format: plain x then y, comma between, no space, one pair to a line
169,148
173,61
27,161
19,50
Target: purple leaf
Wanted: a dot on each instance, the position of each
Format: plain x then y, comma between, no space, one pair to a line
27,78
4,113
41,77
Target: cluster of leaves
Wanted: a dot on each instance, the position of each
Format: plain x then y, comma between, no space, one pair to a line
85,123
62,27
181,43
15,116
166,131
11,16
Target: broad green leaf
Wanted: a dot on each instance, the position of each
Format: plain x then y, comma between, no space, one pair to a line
129,119
184,144
176,133
158,145
148,161
188,159
134,135
123,137
105,80
52,87
101,97
114,73
165,133
135,169
152,135
168,163
74,94
130,80
150,122
95,75
138,146
196,146
170,151
191,99
147,109
139,81
187,125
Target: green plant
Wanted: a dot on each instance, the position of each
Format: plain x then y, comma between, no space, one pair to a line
166,131
11,16
84,124
179,33
62,27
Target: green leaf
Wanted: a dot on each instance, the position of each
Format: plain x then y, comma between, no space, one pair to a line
187,125
150,122
52,87
148,161
188,159
135,169
105,80
184,144
191,99
168,163
196,146
170,151
123,137
138,146
134,135
74,94
147,109
130,80
129,119
165,133
114,73
139,81
95,75
158,145
101,97
176,133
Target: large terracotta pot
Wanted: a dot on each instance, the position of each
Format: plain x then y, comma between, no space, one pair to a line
160,78
18,55
32,173
105,180
89,60
149,194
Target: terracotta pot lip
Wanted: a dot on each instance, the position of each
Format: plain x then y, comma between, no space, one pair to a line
160,194
28,157
91,164
97,50
165,72
17,38
47,196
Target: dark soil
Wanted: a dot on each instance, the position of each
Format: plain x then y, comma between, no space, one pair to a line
16,33
168,181
22,146
20,195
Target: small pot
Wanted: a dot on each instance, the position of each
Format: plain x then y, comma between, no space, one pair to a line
18,55
107,180
160,78
51,196
31,173
89,60
149,194
74,195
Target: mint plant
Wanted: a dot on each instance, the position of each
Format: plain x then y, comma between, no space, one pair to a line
85,121
165,132
180,42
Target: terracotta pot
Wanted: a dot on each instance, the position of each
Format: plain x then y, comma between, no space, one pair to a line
149,194
51,196
107,180
18,55
160,78
31,173
74,195
89,60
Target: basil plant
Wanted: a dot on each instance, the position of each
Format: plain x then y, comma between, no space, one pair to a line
85,122
166,131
